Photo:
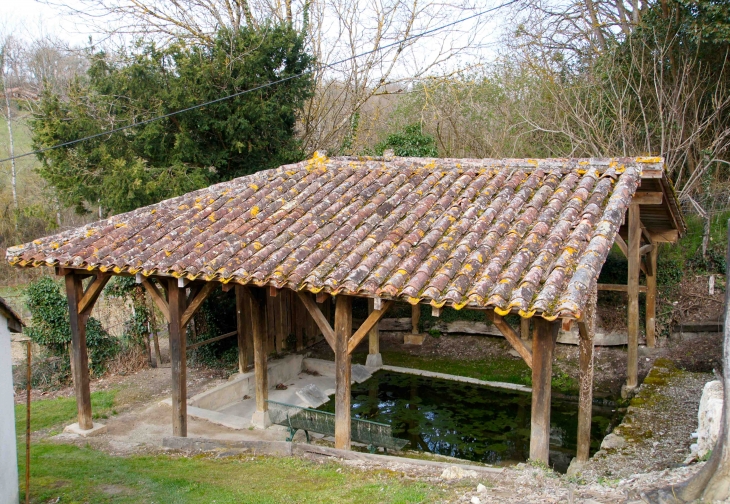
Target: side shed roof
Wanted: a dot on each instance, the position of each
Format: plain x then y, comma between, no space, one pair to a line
15,324
525,236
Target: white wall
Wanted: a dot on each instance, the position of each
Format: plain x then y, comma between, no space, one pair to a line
8,449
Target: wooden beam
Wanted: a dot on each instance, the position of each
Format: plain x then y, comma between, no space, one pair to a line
182,282
510,335
197,301
318,317
651,299
587,331
543,342
321,297
243,327
435,312
646,249
343,371
647,198
273,291
618,287
633,292
625,250
210,340
374,333
158,298
415,318
365,327
178,359
79,355
257,295
524,328
226,287
87,301
669,236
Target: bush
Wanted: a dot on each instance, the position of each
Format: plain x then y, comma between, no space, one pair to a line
51,328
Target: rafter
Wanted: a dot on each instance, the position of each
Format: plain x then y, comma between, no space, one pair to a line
197,301
92,292
158,298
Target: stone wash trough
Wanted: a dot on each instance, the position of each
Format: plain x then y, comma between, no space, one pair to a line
309,383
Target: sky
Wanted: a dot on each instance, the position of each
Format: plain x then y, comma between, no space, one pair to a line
30,19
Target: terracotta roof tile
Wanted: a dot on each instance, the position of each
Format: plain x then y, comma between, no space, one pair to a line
515,235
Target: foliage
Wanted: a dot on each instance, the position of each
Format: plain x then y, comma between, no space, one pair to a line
137,327
411,142
160,159
51,328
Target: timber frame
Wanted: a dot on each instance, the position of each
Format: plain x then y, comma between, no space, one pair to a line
469,201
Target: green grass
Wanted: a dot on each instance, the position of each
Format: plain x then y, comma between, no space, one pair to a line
69,473
495,369
73,474
50,413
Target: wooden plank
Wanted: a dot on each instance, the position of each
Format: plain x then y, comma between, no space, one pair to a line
415,318
633,292
243,327
87,301
79,355
197,301
651,299
318,317
524,328
273,291
322,297
158,298
668,236
374,333
587,329
511,336
178,359
364,329
647,198
618,287
646,249
343,371
258,298
543,343
211,340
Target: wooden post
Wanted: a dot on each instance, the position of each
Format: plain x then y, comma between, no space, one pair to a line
178,359
374,358
525,328
243,327
587,331
343,330
633,308
651,298
79,355
415,318
260,346
543,342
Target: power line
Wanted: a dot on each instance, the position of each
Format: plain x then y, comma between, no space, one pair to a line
262,86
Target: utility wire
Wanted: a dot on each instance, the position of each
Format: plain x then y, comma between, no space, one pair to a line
262,86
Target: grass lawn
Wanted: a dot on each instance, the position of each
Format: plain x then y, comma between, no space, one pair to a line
68,473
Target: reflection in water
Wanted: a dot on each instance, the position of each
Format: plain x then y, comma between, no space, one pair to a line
468,421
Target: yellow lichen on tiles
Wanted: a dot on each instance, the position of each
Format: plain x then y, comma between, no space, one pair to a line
257,246
117,269
183,207
89,232
649,159
255,211
198,245
460,305
55,245
167,253
211,218
526,314
198,206
581,171
500,311
413,300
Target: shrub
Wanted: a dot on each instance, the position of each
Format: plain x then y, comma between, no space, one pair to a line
51,328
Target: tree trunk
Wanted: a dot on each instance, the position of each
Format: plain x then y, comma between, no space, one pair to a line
712,482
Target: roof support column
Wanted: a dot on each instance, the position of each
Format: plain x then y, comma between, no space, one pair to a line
178,360
543,342
634,258
524,328
243,327
343,370
257,295
374,358
79,355
587,331
651,297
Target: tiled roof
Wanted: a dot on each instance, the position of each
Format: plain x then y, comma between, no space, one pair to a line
525,236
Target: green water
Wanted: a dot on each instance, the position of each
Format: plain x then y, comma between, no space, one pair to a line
470,422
